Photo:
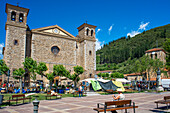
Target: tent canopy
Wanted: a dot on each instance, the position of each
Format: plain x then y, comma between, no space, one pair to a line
122,80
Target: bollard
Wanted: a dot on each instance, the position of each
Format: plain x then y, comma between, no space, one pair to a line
36,105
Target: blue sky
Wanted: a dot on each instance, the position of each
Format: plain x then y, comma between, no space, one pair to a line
113,18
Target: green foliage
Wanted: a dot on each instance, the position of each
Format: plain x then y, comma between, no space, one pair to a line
103,75
99,74
121,50
31,66
60,70
117,75
78,70
3,67
107,74
18,73
41,68
166,46
50,76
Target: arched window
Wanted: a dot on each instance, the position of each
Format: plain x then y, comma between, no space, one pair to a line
90,75
15,42
151,55
55,50
87,32
91,32
13,16
90,52
21,17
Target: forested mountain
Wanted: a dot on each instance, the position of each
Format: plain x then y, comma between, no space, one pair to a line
124,48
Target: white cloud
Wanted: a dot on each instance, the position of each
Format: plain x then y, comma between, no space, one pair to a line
143,26
133,33
110,29
99,44
1,47
98,30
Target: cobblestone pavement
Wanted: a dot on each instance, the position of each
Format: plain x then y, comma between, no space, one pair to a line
145,101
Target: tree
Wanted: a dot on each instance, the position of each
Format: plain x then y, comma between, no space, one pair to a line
78,71
141,65
3,67
19,74
60,70
50,77
107,74
103,75
99,74
166,46
41,68
31,67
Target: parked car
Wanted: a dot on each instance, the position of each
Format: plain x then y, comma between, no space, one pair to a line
166,84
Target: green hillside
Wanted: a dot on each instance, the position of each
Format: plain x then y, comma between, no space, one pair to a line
118,52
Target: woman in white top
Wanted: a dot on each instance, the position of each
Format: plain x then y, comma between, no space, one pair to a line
121,96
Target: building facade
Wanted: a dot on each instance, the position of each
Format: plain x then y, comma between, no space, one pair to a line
52,45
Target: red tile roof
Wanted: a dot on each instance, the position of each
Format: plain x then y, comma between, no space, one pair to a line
134,74
154,50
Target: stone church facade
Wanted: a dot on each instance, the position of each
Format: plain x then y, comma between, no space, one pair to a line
52,45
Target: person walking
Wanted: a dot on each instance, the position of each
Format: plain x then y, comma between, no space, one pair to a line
80,91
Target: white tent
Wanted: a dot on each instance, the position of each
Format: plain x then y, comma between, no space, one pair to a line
123,80
99,79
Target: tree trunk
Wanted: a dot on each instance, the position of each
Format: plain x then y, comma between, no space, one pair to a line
50,84
20,82
75,85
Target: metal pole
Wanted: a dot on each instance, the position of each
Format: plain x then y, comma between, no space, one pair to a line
7,83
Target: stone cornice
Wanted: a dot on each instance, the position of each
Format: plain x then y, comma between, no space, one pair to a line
51,27
88,39
54,35
10,24
16,7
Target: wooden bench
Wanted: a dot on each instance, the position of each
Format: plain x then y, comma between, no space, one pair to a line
115,105
77,93
49,95
165,101
18,98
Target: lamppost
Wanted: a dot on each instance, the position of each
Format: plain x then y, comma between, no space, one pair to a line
95,76
8,74
158,81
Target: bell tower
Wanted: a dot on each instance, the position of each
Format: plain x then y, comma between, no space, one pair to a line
86,50
15,45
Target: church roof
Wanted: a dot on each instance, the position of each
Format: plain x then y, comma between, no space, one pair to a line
154,50
51,27
15,7
85,24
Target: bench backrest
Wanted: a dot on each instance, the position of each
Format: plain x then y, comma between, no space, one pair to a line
49,93
166,98
119,103
20,95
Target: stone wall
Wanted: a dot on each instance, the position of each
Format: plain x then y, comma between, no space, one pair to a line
41,51
14,55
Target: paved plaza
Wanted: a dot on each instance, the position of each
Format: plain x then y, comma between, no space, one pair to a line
145,101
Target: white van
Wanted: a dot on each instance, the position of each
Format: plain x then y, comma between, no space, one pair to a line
166,84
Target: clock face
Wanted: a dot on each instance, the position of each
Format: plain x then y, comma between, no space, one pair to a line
56,31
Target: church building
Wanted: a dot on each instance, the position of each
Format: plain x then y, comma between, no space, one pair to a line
52,45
